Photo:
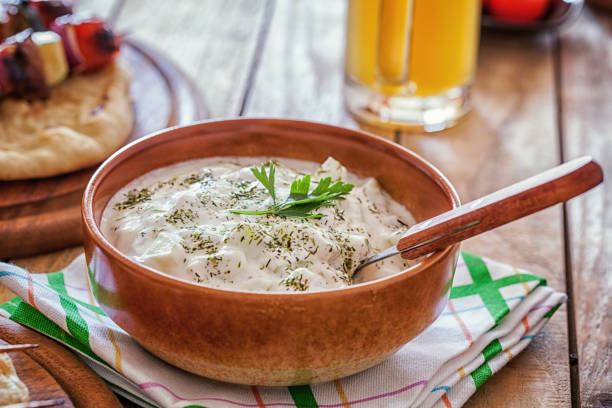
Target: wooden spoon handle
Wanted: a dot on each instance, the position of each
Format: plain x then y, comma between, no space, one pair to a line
516,201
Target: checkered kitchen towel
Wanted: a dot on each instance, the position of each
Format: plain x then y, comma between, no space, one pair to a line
493,313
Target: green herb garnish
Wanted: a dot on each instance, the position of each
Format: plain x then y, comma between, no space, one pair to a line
300,203
133,198
266,179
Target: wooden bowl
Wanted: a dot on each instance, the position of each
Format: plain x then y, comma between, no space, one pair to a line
270,338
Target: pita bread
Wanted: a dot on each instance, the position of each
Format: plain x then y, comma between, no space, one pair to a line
84,120
12,390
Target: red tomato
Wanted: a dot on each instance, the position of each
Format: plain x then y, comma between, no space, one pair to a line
97,43
518,10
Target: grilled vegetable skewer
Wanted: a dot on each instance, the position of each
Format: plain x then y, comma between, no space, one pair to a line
17,15
33,61
89,42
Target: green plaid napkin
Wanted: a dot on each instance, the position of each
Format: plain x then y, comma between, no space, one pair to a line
493,313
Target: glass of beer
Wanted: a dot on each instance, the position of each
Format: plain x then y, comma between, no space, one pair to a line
410,63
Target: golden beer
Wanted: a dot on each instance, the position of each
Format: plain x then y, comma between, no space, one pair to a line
410,62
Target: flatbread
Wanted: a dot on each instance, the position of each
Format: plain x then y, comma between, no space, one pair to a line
84,120
12,390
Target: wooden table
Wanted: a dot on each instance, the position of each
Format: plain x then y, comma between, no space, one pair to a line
538,100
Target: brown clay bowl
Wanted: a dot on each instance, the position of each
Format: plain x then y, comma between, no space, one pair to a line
270,338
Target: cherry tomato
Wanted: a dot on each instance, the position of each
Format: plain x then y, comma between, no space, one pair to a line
97,43
518,10
88,41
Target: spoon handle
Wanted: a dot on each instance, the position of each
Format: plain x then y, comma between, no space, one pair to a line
503,206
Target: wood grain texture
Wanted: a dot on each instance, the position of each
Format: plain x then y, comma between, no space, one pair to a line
41,384
212,41
586,87
300,74
510,135
83,387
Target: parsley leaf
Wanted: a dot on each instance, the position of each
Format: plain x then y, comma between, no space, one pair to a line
266,179
300,203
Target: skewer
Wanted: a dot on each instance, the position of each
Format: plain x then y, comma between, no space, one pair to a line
5,348
37,404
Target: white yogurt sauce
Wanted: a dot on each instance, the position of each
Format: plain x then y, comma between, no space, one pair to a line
176,220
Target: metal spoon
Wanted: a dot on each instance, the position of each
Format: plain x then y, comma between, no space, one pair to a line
536,193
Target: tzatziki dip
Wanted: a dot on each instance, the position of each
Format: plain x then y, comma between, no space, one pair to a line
188,220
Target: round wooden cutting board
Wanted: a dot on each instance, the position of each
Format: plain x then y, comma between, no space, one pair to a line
51,371
41,385
43,215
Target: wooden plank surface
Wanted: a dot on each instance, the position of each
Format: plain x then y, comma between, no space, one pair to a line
300,73
510,135
212,41
586,88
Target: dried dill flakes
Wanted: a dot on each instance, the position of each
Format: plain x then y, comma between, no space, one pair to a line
198,277
402,223
296,282
214,260
203,198
347,265
194,178
199,242
339,213
133,198
181,215
170,182
244,190
205,175
373,209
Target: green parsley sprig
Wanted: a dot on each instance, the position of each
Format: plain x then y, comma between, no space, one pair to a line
300,203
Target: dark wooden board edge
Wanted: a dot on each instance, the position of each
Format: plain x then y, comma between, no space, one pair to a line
54,230
84,387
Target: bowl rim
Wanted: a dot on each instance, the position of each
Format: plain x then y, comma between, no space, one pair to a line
93,231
